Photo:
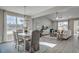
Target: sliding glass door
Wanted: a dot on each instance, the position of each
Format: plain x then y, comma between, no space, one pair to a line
10,27
13,23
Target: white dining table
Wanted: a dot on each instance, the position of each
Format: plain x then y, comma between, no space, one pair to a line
78,34
26,37
24,34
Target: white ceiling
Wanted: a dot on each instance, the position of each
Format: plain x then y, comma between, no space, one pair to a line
72,12
47,11
27,10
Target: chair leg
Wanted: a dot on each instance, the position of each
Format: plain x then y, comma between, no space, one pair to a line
36,48
31,50
18,48
15,46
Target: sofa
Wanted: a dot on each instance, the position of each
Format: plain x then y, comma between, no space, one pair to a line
46,32
65,35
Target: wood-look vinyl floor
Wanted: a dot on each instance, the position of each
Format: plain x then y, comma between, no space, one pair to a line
47,45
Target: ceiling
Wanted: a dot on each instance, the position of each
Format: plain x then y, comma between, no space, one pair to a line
71,12
47,11
27,10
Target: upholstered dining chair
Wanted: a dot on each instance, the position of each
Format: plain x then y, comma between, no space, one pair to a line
33,45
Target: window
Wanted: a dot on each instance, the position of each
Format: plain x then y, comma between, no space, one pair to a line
63,25
11,26
11,22
20,22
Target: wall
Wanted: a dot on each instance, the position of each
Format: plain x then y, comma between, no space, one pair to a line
55,25
1,25
28,22
71,25
38,22
76,26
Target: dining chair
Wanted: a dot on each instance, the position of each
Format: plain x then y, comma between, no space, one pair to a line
33,45
18,40
15,38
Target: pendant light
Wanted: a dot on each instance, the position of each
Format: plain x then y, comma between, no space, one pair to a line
58,17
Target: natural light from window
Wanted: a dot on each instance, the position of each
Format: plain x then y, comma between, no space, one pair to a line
63,25
51,45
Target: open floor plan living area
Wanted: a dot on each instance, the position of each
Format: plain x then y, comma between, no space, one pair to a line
39,29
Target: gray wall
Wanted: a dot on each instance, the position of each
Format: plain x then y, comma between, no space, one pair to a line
71,25
28,22
1,25
55,25
38,22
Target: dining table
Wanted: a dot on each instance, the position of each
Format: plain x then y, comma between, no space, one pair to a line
26,37
78,34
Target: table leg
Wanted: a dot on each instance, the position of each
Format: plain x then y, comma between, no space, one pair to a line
24,45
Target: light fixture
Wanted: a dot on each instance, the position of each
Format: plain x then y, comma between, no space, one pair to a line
24,20
58,17
24,17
